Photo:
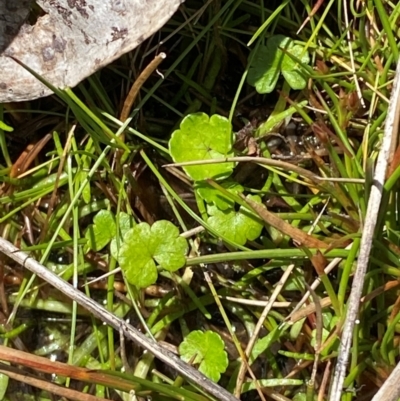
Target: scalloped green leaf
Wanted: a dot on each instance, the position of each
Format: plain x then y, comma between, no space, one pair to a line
238,226
213,196
265,68
208,349
201,137
143,246
102,231
270,61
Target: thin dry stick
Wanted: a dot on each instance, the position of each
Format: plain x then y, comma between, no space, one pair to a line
233,335
259,160
391,130
314,285
260,323
55,190
309,309
63,392
141,79
324,383
350,44
284,227
124,359
390,391
107,317
255,302
27,157
316,179
318,337
316,7
373,88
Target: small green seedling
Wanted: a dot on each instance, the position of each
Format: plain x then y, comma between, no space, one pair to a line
270,61
238,226
201,137
207,348
143,246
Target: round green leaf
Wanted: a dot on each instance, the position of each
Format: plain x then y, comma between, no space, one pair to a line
236,226
270,61
103,229
169,249
144,245
208,349
201,137
265,68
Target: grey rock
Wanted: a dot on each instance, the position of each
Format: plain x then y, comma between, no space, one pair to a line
71,40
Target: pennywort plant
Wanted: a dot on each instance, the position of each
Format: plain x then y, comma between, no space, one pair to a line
205,349
139,246
277,57
201,137
141,249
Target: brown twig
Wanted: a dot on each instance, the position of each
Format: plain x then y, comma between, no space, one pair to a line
55,189
373,209
239,349
324,383
260,323
281,225
27,157
307,310
63,392
141,79
314,285
318,336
